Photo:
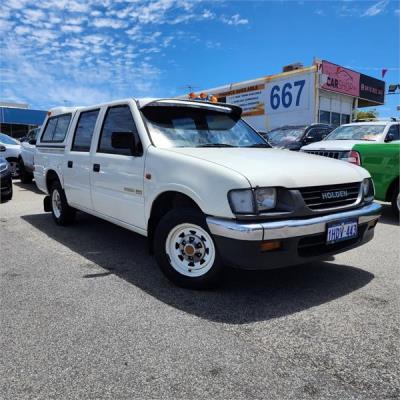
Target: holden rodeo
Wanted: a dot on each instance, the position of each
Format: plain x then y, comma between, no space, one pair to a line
202,185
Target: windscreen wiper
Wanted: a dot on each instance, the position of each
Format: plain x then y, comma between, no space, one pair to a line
215,145
260,145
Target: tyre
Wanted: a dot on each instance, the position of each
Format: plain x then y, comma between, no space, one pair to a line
185,250
395,200
62,213
25,176
14,167
7,197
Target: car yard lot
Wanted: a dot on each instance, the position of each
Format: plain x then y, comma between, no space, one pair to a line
86,313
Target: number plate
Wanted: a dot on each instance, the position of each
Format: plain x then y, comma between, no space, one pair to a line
341,230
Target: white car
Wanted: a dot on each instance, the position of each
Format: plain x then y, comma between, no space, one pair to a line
10,149
202,185
26,159
339,143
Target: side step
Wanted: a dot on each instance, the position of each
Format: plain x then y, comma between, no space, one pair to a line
47,204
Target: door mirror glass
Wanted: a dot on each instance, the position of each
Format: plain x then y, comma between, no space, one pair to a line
123,140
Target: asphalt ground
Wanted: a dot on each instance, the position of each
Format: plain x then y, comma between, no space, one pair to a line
86,314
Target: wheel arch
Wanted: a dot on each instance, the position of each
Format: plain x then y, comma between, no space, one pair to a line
51,176
162,204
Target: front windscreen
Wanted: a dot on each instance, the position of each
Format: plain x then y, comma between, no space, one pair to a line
185,126
356,132
284,136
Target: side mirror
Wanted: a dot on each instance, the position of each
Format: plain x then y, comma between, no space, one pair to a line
125,140
2,148
309,139
389,137
32,141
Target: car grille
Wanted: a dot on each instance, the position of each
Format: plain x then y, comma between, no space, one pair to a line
332,196
332,154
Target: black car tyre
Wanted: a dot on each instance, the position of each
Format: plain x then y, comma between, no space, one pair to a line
62,213
185,250
8,196
25,176
396,201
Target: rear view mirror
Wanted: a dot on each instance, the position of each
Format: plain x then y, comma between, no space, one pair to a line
2,148
33,142
124,140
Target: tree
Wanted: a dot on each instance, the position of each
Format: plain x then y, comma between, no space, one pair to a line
370,114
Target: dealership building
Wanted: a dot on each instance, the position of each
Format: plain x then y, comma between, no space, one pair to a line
16,119
324,92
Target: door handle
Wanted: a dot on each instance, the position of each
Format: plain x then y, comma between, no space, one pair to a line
70,164
96,167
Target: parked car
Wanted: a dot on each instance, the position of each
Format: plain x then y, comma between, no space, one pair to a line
339,143
382,162
202,185
10,149
26,159
6,189
293,137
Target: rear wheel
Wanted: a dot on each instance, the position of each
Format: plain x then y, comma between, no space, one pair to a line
185,249
62,213
25,176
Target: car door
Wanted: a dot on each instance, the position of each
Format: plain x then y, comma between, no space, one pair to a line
117,175
77,161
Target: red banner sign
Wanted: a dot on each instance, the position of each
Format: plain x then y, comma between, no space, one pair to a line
339,79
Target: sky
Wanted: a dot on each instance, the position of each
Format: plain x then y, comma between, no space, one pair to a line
70,52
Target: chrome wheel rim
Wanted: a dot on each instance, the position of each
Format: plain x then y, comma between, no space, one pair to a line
190,249
14,168
56,203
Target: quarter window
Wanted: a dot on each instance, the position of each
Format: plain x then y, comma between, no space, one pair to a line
118,119
56,128
84,130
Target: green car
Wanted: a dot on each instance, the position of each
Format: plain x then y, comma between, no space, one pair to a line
382,162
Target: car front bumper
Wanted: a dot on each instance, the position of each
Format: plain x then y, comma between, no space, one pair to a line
301,240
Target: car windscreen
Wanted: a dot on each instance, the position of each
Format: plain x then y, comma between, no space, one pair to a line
356,132
185,126
283,136
5,139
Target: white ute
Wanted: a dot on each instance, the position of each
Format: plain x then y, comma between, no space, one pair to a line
202,185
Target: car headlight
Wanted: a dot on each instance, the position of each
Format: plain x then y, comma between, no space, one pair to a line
368,190
265,198
3,166
248,201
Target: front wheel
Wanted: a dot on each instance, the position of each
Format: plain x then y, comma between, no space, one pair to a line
25,176
62,213
396,201
185,250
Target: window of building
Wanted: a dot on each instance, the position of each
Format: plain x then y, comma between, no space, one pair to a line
335,119
345,119
117,119
56,128
324,117
84,130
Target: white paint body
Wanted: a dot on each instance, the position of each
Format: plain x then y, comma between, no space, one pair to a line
120,193
347,145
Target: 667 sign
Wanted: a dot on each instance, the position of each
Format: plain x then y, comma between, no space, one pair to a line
288,94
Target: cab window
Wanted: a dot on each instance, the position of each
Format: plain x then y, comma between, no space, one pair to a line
117,119
56,128
393,133
84,130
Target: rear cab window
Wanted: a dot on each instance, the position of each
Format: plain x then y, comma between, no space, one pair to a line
56,128
84,130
